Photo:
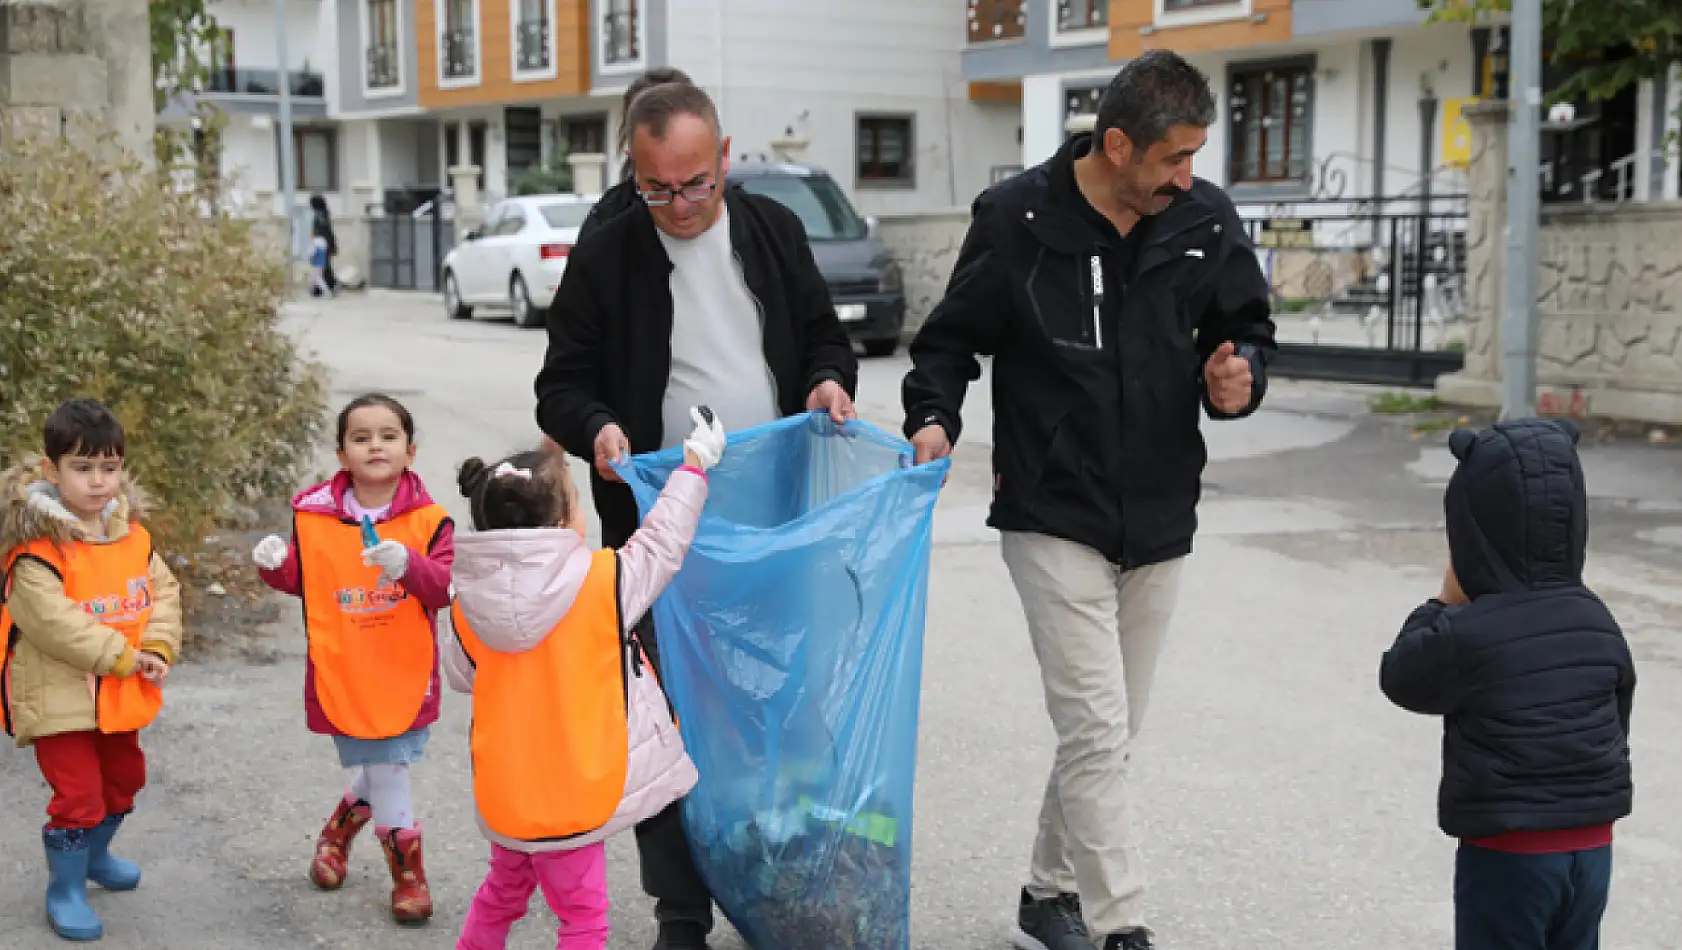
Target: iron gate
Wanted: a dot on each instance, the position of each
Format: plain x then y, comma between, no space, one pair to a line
1369,291
406,250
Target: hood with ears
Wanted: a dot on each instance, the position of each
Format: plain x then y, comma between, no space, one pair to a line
513,586
30,508
1516,507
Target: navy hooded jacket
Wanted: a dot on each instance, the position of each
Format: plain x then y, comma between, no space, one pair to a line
1533,678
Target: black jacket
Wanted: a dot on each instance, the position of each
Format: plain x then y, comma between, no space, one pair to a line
1533,678
1095,433
610,331
620,198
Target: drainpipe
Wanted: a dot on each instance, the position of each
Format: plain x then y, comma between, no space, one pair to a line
1380,112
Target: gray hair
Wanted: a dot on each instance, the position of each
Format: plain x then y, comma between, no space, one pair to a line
654,109
1152,94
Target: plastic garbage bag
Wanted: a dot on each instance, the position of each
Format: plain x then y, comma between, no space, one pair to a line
791,649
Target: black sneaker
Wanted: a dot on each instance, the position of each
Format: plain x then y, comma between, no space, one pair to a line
1132,940
1054,924
681,935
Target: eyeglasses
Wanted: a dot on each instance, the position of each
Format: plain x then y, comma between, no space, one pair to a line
690,193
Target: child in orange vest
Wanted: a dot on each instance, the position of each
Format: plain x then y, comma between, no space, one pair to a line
370,610
572,739
91,622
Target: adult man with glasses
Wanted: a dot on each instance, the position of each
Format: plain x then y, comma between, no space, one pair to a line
704,294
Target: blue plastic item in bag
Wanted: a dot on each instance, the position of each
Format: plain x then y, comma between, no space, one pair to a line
791,646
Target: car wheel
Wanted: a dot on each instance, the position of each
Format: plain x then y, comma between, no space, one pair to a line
452,299
881,347
519,300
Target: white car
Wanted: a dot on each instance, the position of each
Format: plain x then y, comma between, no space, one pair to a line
516,260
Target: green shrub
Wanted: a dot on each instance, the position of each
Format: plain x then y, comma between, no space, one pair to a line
115,286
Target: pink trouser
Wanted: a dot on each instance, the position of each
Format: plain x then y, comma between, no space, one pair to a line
574,883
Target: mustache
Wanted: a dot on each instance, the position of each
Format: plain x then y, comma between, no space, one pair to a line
1168,191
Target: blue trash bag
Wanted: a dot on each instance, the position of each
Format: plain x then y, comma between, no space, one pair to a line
791,646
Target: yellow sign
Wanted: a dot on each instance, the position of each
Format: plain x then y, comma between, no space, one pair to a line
1456,133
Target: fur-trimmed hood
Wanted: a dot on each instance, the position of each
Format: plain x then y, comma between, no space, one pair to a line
30,509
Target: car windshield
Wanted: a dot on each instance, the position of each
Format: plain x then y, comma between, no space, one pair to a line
568,215
815,200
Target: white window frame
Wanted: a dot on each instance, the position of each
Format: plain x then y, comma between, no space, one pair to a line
440,20
382,92
1089,36
1235,10
602,42
531,75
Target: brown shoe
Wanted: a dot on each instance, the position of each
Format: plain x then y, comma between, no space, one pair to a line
411,899
332,848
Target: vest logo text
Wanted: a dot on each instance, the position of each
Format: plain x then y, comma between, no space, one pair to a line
114,609
360,600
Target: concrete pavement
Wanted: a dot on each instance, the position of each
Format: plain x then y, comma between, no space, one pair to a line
1283,802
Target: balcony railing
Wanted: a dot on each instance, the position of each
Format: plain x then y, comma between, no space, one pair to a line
382,66
1076,15
264,82
991,21
532,49
459,58
623,38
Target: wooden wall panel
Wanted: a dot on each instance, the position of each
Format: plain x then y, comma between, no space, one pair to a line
995,92
496,84
1128,16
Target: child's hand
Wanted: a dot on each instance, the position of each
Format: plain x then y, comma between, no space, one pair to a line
391,557
1451,594
270,553
705,445
152,667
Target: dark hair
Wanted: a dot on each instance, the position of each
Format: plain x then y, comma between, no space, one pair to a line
499,502
81,426
658,76
655,108
375,399
1151,95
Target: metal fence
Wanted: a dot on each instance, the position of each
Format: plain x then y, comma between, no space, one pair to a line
406,250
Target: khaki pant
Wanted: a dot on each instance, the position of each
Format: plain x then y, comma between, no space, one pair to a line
1097,632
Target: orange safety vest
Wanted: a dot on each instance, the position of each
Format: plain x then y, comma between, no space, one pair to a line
549,737
370,642
113,583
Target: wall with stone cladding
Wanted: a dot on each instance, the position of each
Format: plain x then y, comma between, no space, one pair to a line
77,67
926,246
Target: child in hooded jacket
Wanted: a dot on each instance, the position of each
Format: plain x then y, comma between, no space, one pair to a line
572,738
90,623
1535,685
370,610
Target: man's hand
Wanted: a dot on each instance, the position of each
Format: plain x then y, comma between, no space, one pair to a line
931,444
152,667
829,395
1451,594
611,446
1227,377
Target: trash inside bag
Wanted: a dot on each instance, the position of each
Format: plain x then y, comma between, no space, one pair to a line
791,647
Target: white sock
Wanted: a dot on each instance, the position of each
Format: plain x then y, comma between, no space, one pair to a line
357,791
388,793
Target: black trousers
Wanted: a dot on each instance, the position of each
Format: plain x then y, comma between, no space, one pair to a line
669,874
1530,901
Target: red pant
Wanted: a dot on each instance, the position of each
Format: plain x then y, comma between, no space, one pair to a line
92,775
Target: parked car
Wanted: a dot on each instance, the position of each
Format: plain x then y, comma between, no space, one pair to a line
516,259
864,281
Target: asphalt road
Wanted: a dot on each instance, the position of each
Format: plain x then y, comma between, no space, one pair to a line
1284,803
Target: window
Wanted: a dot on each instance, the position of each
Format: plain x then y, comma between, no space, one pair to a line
1175,6
1272,116
383,34
1081,101
315,157
621,33
991,20
569,215
884,150
510,222
1075,15
584,136
458,41
532,33
815,200
224,73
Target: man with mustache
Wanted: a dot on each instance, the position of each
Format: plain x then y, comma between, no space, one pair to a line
1119,298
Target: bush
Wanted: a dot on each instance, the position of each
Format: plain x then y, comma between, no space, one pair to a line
116,286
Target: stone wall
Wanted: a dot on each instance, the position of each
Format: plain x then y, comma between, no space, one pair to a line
269,235
926,246
78,67
1609,299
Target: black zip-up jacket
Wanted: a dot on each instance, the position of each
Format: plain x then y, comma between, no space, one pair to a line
610,332
1095,401
1533,678
614,201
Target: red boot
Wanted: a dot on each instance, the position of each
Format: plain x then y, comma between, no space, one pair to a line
332,848
411,899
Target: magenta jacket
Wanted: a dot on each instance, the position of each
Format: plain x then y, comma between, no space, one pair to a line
427,578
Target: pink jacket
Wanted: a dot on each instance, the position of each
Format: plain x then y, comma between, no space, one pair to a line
427,578
515,586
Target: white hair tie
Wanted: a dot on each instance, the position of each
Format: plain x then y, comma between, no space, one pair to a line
507,469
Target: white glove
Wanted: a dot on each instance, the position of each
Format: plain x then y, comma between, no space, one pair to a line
391,557
270,553
706,443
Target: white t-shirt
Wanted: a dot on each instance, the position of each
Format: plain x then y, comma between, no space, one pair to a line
718,350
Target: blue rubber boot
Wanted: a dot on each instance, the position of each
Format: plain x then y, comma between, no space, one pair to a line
67,885
113,874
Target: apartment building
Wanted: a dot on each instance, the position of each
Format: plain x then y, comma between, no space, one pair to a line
388,95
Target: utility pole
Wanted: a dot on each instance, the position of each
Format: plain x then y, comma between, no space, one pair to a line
288,164
1518,324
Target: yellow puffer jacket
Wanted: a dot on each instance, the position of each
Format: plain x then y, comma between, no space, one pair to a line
55,644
